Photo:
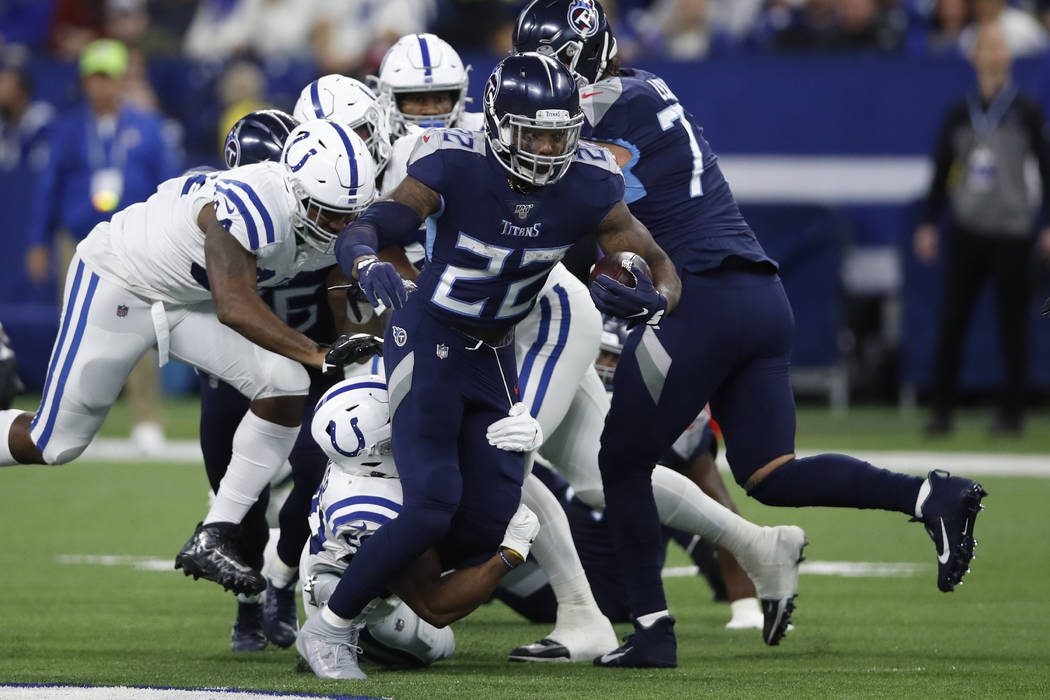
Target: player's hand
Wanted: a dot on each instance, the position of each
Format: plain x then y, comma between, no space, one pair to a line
348,349
521,532
643,304
381,283
518,432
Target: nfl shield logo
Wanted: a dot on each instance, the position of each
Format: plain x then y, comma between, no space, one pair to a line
522,210
442,351
400,624
400,336
122,311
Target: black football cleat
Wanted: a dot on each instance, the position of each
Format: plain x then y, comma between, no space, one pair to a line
247,633
211,553
280,617
648,647
544,650
948,513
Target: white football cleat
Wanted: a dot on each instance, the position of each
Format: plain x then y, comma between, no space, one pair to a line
581,634
747,615
772,565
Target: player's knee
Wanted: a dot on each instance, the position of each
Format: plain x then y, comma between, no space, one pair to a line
63,454
593,497
757,484
280,376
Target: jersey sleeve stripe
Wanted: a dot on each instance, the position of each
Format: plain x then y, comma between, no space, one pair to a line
425,50
350,152
264,214
362,501
249,222
315,100
365,515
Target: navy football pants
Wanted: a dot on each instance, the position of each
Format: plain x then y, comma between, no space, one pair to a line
459,492
728,342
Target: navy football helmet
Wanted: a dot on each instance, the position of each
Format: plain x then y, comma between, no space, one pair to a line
257,137
575,32
533,117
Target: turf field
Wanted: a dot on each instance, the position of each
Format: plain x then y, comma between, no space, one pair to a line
128,623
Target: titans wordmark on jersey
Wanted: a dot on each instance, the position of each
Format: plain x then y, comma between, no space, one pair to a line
491,247
674,184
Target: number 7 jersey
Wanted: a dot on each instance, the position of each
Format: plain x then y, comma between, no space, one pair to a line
491,247
674,184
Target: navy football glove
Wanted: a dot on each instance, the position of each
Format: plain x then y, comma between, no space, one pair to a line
381,283
348,349
643,304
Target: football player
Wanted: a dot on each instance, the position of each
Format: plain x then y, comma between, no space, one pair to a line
305,305
739,363
10,384
459,430
360,493
181,272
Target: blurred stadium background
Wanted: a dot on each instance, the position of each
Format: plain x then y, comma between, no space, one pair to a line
824,113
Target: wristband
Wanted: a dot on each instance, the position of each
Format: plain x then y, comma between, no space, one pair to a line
503,556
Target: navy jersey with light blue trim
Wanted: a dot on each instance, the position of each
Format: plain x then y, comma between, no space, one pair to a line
490,248
674,184
302,303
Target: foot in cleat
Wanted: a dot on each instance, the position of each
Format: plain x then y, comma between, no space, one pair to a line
211,553
948,513
280,617
544,650
772,563
247,633
648,647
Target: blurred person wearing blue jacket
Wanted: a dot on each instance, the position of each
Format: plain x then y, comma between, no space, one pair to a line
104,155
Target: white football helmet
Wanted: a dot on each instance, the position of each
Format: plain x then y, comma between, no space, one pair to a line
351,424
351,103
331,173
421,63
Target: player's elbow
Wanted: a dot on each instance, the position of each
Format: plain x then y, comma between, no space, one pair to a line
231,312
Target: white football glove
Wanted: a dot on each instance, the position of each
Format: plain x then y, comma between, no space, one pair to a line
518,432
521,532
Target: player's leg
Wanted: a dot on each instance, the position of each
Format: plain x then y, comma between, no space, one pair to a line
261,443
756,410
222,408
104,330
308,463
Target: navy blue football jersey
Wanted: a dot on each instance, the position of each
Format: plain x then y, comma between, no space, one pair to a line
674,184
490,248
302,303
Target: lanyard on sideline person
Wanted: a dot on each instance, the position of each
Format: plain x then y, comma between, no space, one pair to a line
985,121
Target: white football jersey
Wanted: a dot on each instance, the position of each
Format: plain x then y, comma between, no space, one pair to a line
397,168
349,506
156,250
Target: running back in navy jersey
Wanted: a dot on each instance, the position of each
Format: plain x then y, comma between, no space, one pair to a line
302,303
491,247
674,184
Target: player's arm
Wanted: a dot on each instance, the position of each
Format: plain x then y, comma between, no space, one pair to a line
620,231
390,221
232,275
441,600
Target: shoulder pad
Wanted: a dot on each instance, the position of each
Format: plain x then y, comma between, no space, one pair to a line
596,99
433,140
594,155
254,204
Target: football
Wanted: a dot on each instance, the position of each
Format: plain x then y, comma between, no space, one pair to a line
618,266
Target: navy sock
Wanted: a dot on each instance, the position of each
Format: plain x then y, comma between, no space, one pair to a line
839,481
384,554
630,513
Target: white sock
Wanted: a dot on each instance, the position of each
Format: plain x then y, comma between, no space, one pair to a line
279,573
333,619
259,449
7,419
253,599
683,506
648,620
555,551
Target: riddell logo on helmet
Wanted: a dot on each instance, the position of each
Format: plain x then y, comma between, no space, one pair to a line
552,115
583,18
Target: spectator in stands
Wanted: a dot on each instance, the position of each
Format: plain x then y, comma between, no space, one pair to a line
24,136
104,155
353,35
75,24
1023,34
836,24
950,18
979,172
